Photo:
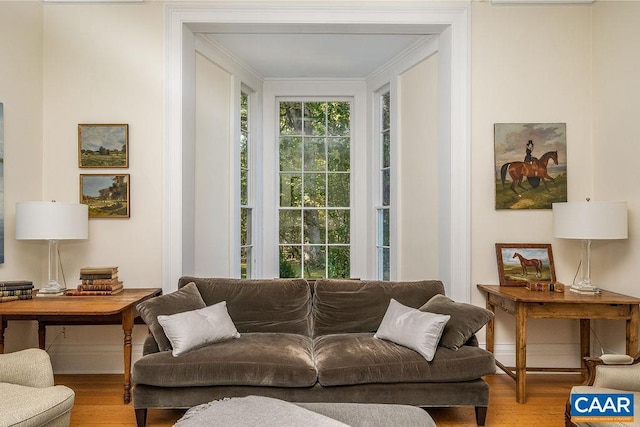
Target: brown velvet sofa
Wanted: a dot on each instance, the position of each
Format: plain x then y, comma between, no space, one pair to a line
306,342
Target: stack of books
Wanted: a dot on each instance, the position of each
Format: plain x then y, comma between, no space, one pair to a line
98,281
15,289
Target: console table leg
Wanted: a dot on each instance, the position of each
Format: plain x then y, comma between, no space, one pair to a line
585,344
521,353
632,331
3,326
491,331
42,335
127,326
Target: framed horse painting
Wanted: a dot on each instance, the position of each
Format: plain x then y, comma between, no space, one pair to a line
522,263
530,165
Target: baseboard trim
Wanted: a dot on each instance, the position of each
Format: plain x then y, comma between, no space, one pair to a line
91,359
541,355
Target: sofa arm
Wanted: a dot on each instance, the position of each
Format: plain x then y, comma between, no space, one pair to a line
150,345
30,367
614,371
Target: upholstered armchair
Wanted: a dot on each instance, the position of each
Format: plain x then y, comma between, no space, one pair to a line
609,374
28,394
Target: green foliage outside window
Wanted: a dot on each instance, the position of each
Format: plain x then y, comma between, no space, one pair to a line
245,208
315,186
384,183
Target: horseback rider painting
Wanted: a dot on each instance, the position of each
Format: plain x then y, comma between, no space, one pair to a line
537,177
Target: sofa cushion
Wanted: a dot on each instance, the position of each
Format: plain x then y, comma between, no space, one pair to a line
257,305
197,328
358,306
184,299
412,328
254,359
345,359
466,320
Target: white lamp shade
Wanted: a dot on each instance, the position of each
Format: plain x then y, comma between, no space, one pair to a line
52,221
590,220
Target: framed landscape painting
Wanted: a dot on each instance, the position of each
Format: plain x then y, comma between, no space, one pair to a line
103,146
523,263
530,165
106,195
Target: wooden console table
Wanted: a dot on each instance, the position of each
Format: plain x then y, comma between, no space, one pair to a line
81,310
524,304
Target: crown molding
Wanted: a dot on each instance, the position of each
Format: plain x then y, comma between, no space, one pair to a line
547,2
92,1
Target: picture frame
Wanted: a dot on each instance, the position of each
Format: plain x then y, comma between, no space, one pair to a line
530,166
522,263
103,146
107,195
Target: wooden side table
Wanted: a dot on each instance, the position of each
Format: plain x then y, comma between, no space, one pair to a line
524,304
81,310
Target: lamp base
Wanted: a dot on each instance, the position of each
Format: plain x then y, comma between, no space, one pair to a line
585,289
52,288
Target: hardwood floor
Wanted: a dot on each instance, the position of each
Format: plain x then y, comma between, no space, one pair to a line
99,403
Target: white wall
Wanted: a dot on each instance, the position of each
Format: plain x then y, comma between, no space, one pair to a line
21,94
212,171
572,64
61,65
616,148
418,220
103,64
530,64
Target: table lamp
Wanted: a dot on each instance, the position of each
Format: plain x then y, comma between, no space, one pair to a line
52,221
589,221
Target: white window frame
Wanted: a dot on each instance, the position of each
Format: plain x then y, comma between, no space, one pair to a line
450,22
326,172
251,183
377,147
355,92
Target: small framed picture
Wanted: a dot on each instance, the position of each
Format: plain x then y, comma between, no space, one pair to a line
523,263
103,146
106,195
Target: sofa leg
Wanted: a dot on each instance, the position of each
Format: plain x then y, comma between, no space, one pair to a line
481,415
141,417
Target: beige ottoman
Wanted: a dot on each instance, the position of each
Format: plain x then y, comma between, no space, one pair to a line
373,414
260,411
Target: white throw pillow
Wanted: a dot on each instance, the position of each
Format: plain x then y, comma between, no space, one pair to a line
196,328
412,328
